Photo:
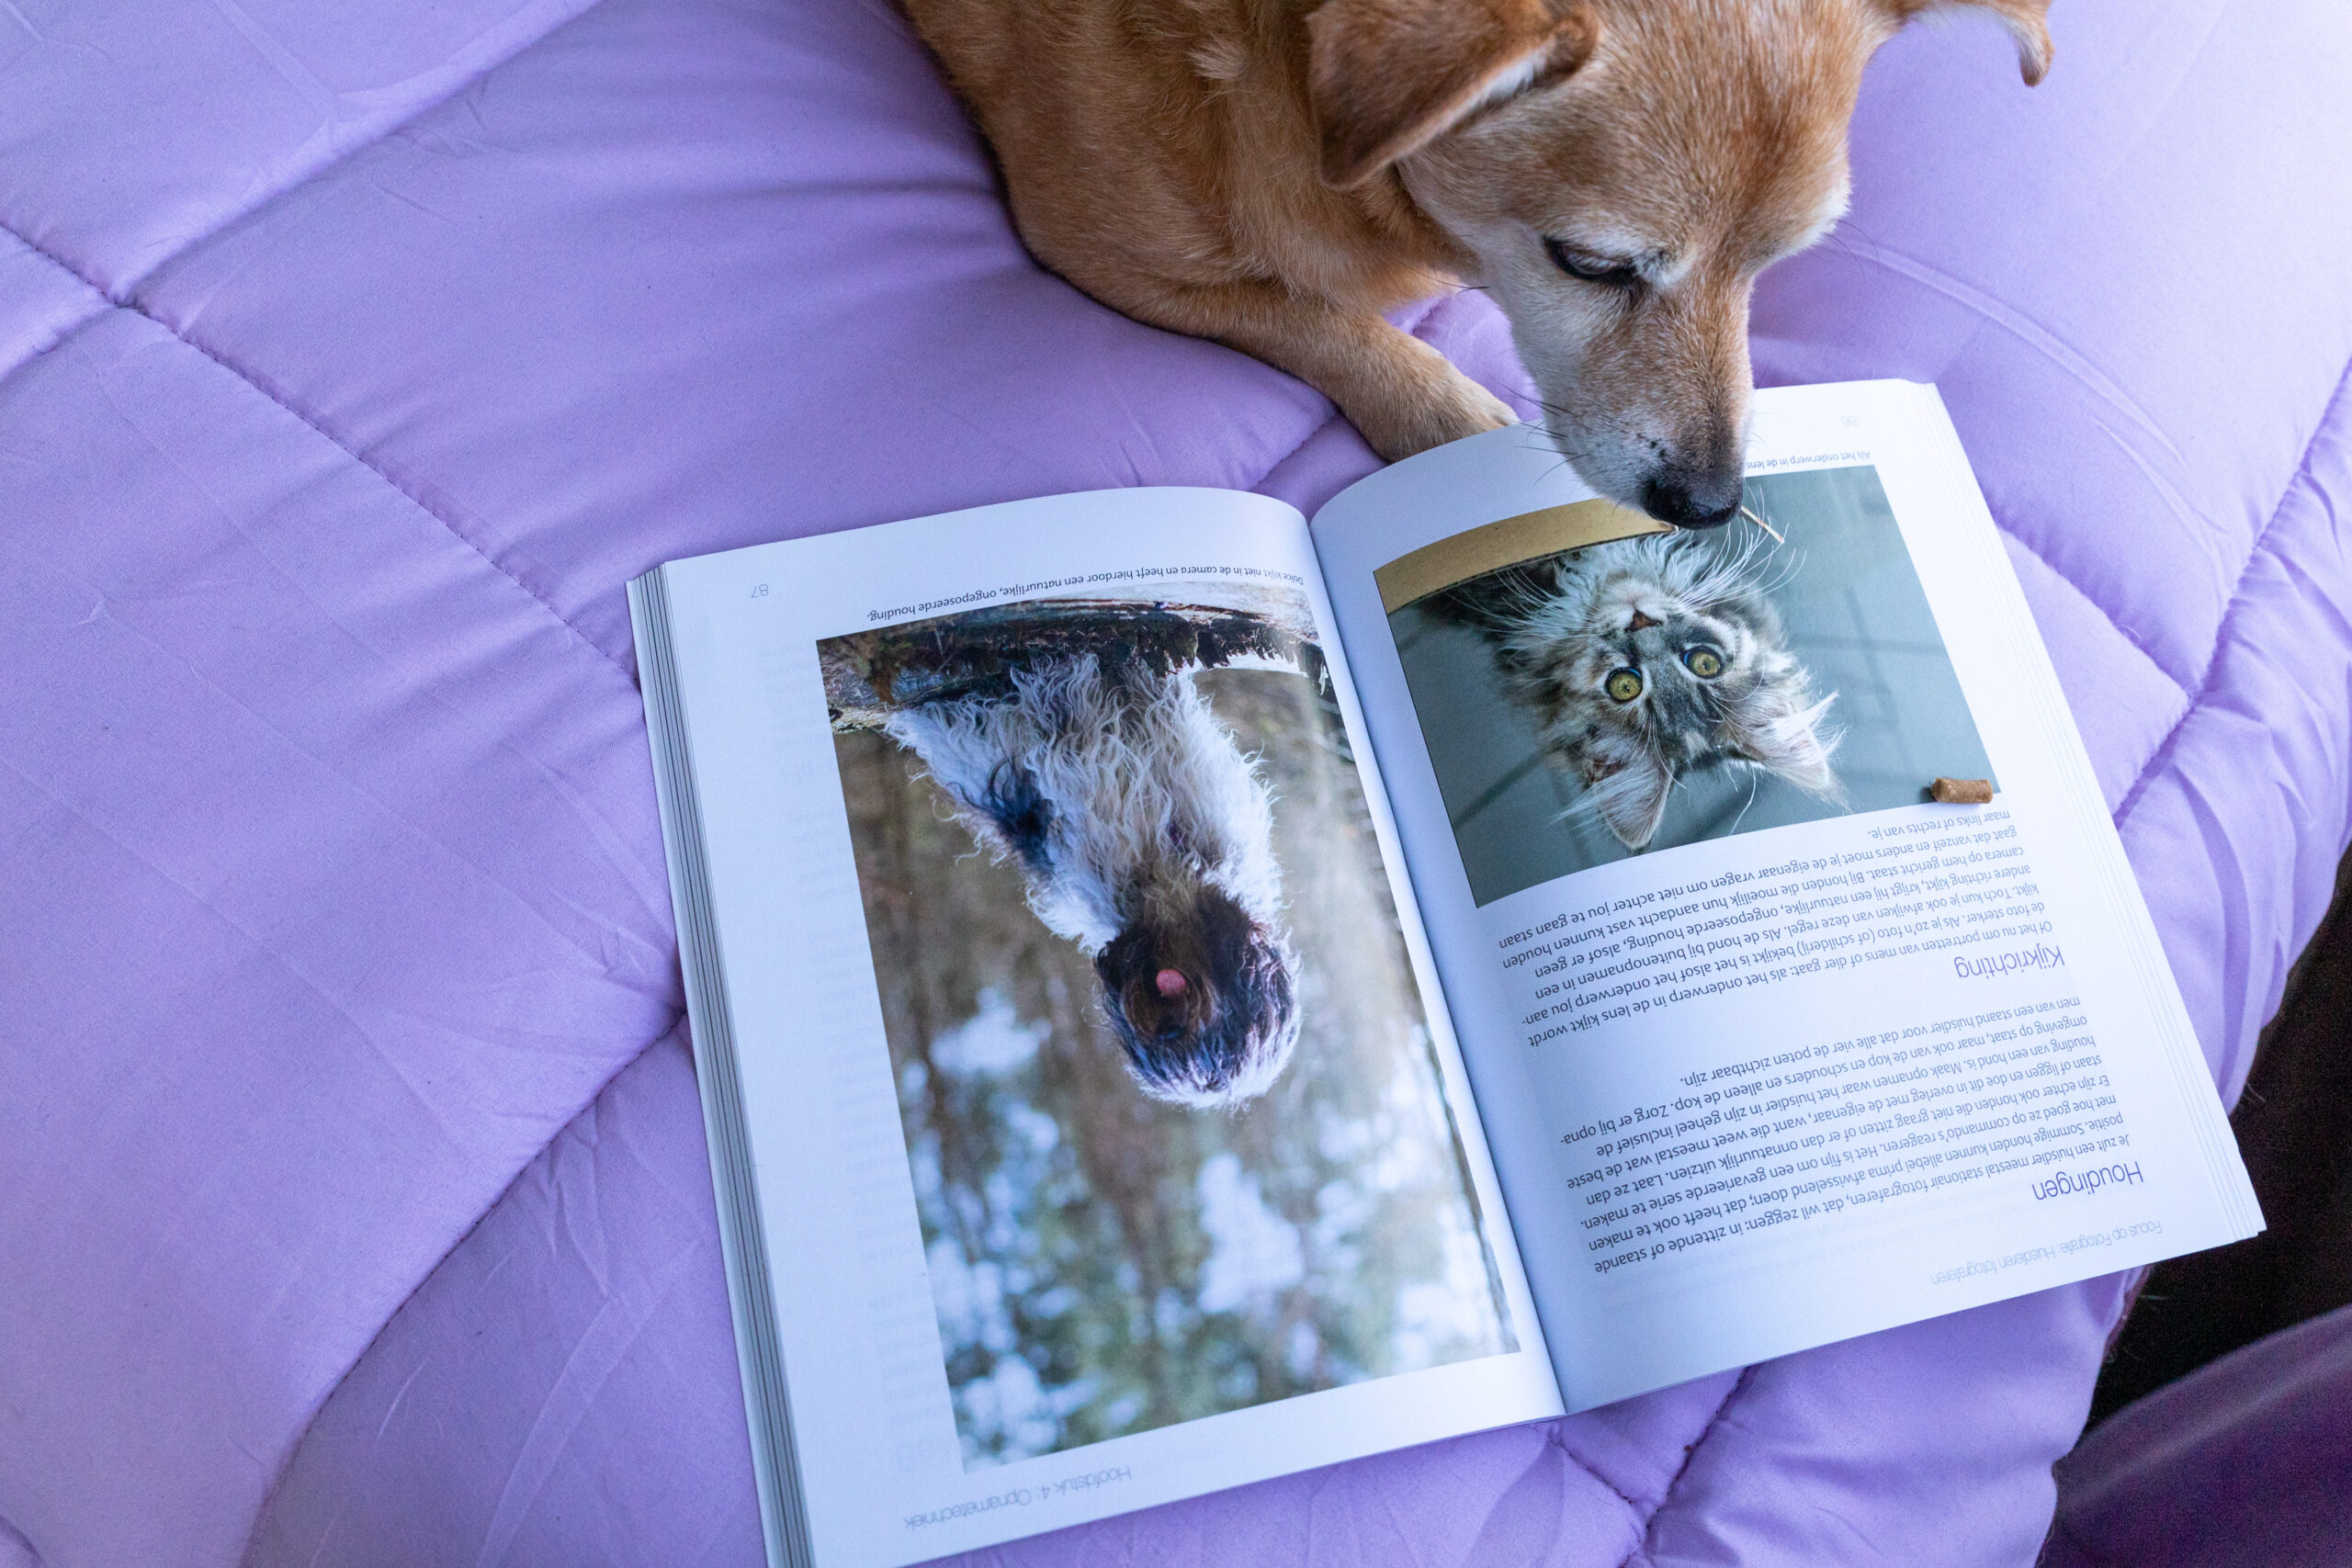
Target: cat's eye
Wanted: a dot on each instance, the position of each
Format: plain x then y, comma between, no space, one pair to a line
1623,685
1703,662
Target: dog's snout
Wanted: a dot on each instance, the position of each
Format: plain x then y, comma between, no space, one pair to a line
1692,501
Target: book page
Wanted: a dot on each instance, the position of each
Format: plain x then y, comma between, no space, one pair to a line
1111,1142
1776,1047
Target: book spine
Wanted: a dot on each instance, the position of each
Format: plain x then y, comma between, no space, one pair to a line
783,1518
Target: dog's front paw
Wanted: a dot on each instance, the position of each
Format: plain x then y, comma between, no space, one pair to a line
1428,410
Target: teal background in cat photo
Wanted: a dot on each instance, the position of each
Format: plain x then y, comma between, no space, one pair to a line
1855,617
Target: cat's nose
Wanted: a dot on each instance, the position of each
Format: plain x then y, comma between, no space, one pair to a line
1690,499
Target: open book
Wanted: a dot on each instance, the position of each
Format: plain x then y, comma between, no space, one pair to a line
1183,994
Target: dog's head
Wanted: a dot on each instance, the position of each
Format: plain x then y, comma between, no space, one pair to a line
1620,170
1200,996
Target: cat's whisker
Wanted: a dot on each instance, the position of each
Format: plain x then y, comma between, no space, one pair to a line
1754,778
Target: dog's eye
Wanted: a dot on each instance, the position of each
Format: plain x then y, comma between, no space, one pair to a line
1703,662
1592,269
1623,685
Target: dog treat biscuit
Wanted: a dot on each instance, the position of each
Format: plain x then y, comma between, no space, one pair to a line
1962,791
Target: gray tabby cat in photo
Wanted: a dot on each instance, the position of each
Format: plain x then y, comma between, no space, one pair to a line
1644,659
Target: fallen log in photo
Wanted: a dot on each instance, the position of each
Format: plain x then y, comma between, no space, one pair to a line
869,675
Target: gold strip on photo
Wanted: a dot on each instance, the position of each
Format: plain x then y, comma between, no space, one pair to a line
1507,543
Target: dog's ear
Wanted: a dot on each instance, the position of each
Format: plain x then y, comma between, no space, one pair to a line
1386,76
2028,21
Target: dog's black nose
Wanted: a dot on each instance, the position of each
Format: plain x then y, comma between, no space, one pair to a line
1670,499
1677,499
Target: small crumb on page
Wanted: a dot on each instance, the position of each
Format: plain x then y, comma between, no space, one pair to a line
1961,792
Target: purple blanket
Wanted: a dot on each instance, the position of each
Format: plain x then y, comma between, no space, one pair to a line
353,1202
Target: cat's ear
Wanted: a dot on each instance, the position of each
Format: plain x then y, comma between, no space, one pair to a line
1632,800
1791,743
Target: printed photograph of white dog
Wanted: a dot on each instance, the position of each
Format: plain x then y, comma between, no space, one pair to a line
1178,1133
1651,692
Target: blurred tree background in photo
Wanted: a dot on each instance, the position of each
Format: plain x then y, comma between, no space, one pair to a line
1103,1263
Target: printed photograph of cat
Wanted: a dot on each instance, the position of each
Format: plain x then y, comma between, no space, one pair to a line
1638,694
1644,661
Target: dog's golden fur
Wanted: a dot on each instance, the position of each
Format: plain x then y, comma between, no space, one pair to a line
1276,175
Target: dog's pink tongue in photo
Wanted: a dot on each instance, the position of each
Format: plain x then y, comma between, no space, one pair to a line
1277,175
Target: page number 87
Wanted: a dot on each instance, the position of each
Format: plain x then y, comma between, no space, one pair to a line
759,591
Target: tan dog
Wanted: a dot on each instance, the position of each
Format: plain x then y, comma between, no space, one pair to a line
1277,174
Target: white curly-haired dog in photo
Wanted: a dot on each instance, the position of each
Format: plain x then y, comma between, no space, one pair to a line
1145,835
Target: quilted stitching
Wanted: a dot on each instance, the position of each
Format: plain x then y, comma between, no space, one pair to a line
317,428
2337,414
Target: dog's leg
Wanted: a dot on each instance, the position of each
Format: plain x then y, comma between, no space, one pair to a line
1399,392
